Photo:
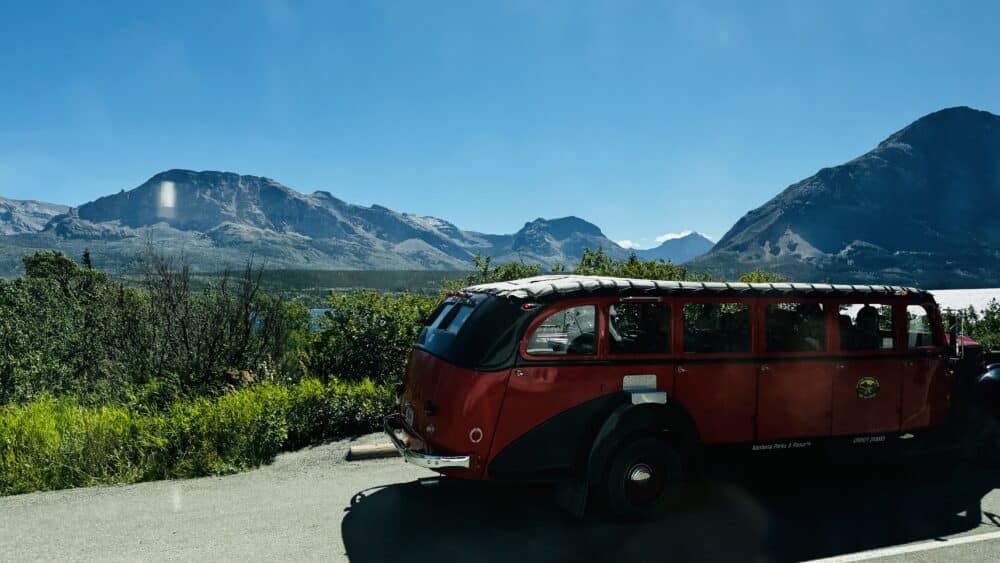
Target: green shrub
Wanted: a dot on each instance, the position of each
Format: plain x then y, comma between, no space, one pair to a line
366,334
69,330
487,272
761,276
59,443
54,444
597,263
985,326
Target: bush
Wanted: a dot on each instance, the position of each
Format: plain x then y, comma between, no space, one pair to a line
56,443
761,276
597,263
985,327
486,272
68,330
366,334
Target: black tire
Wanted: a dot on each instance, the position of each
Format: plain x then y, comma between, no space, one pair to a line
642,478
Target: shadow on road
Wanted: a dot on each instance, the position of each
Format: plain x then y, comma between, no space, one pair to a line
767,513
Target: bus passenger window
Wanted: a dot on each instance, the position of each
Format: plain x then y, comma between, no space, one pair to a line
795,327
639,328
716,328
919,332
864,326
567,332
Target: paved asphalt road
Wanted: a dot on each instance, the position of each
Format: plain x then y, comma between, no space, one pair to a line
312,505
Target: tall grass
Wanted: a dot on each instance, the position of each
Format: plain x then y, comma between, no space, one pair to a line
56,443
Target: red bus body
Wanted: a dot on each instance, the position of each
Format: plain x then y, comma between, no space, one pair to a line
542,417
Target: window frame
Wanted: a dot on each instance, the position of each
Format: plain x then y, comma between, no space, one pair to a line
558,307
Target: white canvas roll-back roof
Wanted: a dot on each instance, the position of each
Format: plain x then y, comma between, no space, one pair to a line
555,285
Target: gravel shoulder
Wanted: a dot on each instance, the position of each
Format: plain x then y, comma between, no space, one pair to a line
288,510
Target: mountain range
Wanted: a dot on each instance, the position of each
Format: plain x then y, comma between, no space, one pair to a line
918,209
217,218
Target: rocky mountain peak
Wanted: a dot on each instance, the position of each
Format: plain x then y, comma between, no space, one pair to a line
563,227
917,209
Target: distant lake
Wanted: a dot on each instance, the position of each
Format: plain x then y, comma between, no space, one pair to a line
315,315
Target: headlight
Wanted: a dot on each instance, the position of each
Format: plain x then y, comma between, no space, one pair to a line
408,415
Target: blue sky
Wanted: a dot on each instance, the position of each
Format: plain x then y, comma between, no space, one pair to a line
642,117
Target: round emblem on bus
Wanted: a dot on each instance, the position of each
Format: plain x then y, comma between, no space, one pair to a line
476,435
867,387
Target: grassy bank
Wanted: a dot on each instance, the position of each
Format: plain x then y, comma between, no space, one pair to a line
57,443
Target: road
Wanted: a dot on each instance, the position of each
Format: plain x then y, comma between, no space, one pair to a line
311,505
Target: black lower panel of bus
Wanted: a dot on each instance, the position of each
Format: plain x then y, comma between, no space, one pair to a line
557,448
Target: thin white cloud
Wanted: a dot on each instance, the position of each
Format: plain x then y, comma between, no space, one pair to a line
627,244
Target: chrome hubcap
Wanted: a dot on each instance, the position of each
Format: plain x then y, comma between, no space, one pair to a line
640,473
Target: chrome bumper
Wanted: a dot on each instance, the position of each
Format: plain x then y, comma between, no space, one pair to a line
395,422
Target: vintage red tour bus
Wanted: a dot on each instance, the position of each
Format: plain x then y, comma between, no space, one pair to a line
619,384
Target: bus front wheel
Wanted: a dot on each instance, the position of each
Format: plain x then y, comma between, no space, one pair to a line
642,478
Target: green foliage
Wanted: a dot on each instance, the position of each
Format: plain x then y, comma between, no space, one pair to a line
56,266
985,328
982,326
369,334
761,276
59,443
70,330
597,263
486,272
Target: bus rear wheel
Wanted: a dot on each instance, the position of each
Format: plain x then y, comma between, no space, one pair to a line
642,478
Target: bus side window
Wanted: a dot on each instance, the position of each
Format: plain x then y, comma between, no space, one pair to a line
795,327
919,331
716,328
639,328
567,332
865,326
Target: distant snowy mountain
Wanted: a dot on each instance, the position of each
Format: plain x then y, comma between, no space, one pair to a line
678,248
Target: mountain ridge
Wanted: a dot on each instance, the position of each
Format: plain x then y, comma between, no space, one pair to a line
27,215
213,216
678,249
917,210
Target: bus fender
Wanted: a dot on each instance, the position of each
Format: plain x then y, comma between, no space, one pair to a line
986,390
632,420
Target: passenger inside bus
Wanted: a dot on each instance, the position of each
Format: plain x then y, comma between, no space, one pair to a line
869,329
